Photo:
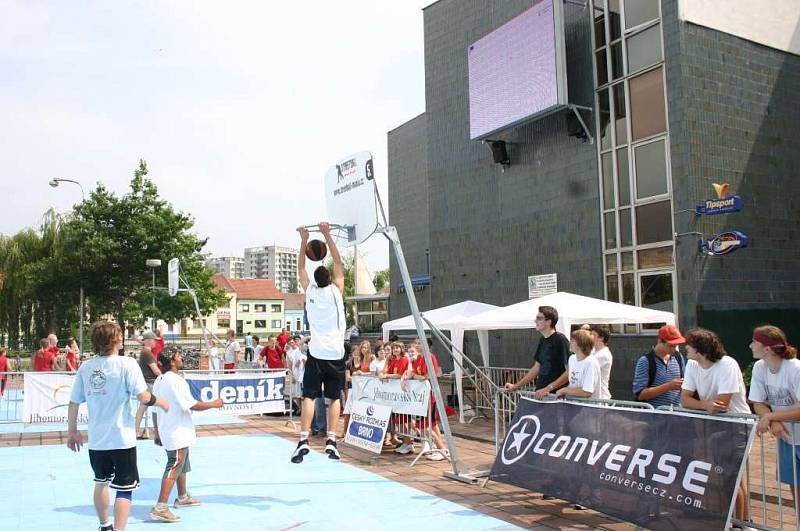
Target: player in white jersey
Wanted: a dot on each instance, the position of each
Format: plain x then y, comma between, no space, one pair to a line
324,372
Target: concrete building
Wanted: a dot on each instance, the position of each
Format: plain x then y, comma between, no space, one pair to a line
255,306
682,94
278,264
230,266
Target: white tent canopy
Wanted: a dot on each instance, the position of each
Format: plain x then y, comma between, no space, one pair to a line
449,318
572,309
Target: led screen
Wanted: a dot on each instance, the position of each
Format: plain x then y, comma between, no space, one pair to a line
516,71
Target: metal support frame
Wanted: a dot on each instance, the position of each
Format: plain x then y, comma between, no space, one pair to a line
576,110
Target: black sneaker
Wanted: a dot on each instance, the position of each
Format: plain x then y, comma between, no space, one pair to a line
301,450
331,450
106,528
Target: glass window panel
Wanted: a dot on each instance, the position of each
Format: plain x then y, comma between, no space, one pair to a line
620,126
602,67
627,261
647,104
640,11
608,181
644,49
611,263
616,61
599,24
658,257
656,294
614,20
651,169
628,290
631,329
611,230
623,179
605,119
653,223
625,228
612,286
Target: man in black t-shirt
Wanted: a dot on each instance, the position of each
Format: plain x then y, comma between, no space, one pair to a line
551,358
150,371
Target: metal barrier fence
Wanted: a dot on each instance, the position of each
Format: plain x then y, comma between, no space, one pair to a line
771,504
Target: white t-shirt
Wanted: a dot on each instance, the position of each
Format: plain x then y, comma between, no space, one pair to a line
376,366
106,384
605,360
781,390
326,320
296,361
213,358
175,427
721,378
585,374
230,351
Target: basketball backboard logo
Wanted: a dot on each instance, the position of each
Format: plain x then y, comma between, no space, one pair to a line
350,197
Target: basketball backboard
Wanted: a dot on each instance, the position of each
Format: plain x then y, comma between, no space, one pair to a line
350,198
173,269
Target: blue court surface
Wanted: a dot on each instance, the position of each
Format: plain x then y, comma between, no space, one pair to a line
244,481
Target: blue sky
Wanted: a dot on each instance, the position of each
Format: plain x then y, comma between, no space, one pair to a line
238,107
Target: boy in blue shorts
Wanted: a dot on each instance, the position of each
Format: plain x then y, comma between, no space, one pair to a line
106,383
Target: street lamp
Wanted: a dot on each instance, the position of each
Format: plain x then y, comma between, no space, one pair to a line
153,263
55,182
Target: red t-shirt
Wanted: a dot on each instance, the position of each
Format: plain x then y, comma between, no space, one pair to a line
397,366
43,360
283,338
158,347
5,366
420,368
273,357
72,359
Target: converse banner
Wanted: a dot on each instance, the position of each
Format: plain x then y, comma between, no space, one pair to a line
661,470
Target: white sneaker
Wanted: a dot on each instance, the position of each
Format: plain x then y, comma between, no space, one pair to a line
405,448
436,455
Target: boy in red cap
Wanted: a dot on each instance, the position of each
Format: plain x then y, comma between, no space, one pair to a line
659,373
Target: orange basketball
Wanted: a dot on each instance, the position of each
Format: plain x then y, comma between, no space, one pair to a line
316,250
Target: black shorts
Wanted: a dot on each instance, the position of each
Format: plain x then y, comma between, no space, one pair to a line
327,373
115,466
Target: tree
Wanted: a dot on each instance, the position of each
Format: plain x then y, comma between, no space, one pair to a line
108,239
381,279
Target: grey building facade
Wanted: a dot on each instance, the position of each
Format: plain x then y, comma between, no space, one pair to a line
675,107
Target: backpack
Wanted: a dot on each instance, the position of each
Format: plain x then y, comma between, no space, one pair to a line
651,365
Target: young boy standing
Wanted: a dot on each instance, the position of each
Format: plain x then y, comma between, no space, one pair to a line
175,432
106,383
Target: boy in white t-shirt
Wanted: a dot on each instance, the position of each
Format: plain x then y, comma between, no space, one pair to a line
775,393
232,351
600,336
717,379
107,383
583,369
175,432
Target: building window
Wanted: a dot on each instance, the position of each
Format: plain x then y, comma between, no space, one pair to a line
223,322
260,307
298,324
244,307
261,324
276,308
276,323
633,154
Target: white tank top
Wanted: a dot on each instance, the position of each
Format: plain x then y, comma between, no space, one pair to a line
326,320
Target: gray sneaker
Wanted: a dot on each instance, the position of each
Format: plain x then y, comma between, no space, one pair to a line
163,514
186,501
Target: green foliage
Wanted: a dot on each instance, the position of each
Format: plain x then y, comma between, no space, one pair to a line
381,279
103,245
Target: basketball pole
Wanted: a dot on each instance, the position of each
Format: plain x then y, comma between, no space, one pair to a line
390,232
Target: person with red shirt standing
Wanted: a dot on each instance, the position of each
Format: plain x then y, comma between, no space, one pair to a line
5,366
396,367
159,346
44,360
419,371
283,338
52,339
272,355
